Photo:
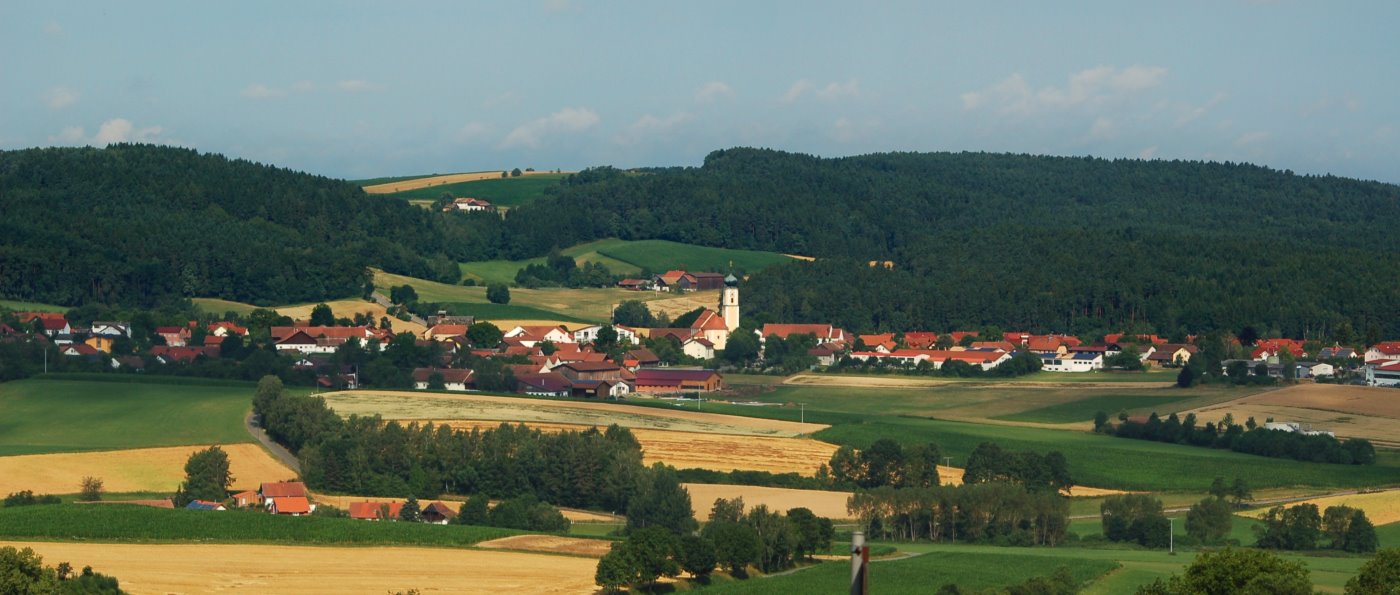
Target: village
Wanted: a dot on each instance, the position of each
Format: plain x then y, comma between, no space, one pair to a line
612,361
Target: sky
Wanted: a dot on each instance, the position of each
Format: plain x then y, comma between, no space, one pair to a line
365,89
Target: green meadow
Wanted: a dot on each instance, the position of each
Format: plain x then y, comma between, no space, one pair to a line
45,416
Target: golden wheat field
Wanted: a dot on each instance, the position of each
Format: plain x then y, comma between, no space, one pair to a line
408,405
416,183
831,505
273,569
1382,508
551,544
718,452
134,470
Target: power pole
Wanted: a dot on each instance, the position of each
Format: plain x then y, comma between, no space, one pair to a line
802,411
860,564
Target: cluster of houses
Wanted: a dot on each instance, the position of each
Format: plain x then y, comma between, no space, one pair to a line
290,498
676,281
100,338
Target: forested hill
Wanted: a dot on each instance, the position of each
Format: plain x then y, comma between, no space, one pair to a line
1037,242
138,224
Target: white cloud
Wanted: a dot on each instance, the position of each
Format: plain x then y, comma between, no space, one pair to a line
1251,138
1092,87
1148,153
650,125
713,91
60,97
796,90
261,91
849,88
53,28
116,130
569,119
471,131
356,86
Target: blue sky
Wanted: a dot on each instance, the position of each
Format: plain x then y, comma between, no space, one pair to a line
362,89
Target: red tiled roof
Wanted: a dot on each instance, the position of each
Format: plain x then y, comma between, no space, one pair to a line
591,366
918,339
373,510
80,349
292,505
449,375
283,489
1388,347
822,331
709,320
229,326
656,376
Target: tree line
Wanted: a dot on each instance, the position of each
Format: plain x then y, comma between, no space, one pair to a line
1249,438
998,513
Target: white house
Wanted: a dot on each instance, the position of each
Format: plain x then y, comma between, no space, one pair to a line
1080,362
453,379
588,334
1388,351
530,336
1383,373
111,329
698,347
471,205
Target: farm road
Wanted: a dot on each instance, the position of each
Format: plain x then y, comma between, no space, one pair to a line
273,448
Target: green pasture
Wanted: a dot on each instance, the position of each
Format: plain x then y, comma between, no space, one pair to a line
489,311
218,306
45,416
662,255
20,306
925,573
1085,409
504,192
136,524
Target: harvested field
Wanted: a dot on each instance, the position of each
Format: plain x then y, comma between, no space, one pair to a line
831,505
348,309
407,405
577,516
718,452
134,470
913,382
416,183
1349,411
1382,508
271,569
551,544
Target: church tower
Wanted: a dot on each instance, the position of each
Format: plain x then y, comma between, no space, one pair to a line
729,302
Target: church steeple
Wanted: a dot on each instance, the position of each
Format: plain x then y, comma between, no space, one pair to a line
729,302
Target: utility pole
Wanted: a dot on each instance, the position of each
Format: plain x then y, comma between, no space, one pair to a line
1171,537
860,563
802,411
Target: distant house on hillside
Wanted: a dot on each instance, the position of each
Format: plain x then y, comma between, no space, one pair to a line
470,205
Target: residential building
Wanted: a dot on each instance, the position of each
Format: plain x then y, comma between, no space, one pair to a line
454,379
678,380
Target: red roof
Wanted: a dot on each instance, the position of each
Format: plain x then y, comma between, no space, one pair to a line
602,366
709,320
823,332
291,505
919,339
283,489
662,376
1389,367
1388,347
449,375
448,330
1043,343
1002,345
26,317
374,510
228,326
80,349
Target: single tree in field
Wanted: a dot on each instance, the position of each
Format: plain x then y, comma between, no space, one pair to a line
321,315
515,173
91,489
497,293
207,477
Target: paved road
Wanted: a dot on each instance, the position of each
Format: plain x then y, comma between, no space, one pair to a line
271,447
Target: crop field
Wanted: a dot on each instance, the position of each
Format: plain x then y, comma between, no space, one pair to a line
1389,535
407,405
1383,508
49,416
718,452
133,470
348,309
925,573
220,307
502,192
401,185
277,569
1350,411
1085,409
827,504
551,544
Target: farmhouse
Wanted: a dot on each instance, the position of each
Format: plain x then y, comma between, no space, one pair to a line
224,329
110,329
247,499
287,492
673,380
530,336
1388,351
79,350
588,334
1078,362
824,333
591,371
1170,354
548,384
1383,373
437,513
174,336
634,284
443,332
469,205
1338,352
452,378
375,511
291,506
883,343
53,323
936,357
679,281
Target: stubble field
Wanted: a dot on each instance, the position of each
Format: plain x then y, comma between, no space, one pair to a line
430,181
1349,411
134,470
274,569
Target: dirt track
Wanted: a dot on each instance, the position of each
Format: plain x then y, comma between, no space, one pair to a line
426,406
135,470
270,569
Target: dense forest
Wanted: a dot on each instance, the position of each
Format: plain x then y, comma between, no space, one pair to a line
1070,244
139,224
1042,243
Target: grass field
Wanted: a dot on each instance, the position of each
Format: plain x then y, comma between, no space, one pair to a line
631,257
46,416
19,306
1389,535
502,192
1085,409
924,573
287,570
218,306
132,470
127,523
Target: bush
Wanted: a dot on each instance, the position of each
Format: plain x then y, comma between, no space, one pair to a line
497,293
27,498
91,490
